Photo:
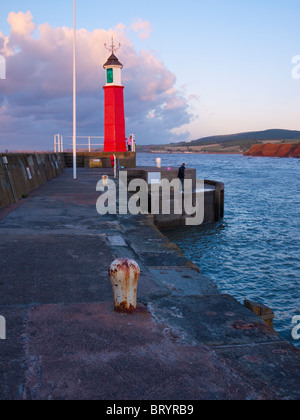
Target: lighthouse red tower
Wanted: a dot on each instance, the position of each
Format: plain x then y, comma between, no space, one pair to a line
114,116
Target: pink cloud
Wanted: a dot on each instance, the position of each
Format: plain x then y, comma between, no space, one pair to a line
176,103
36,97
21,23
143,28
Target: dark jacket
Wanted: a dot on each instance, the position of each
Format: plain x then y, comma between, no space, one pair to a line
181,172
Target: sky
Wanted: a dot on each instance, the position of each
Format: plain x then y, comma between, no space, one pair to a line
191,69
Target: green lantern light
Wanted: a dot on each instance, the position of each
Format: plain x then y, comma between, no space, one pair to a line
110,75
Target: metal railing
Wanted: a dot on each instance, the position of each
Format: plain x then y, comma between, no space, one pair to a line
59,143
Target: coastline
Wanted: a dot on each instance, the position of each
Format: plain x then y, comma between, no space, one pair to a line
190,153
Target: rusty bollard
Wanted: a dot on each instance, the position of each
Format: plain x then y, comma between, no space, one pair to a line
124,276
105,180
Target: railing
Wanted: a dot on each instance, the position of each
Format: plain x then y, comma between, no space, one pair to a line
59,144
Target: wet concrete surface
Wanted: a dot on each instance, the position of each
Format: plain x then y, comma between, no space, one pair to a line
64,341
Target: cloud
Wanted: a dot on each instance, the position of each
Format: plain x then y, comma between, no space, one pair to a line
143,28
21,23
36,97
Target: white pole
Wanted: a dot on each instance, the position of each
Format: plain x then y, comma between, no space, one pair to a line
115,166
89,144
74,96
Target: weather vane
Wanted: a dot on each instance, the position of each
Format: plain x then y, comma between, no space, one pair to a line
112,48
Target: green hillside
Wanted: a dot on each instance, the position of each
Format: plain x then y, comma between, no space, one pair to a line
234,143
247,138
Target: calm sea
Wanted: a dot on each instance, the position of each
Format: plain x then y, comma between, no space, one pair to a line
254,252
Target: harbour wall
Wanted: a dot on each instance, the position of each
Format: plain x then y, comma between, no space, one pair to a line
100,159
213,195
197,343
22,173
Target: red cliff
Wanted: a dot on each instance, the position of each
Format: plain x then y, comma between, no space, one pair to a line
275,150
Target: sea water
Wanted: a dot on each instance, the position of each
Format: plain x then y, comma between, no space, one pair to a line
253,253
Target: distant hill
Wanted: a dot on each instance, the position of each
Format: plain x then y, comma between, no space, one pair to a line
256,136
233,143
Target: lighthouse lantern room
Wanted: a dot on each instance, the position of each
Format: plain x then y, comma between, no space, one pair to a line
114,116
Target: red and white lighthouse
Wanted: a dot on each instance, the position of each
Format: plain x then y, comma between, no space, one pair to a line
114,116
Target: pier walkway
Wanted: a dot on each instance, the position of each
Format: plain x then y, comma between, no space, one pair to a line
64,341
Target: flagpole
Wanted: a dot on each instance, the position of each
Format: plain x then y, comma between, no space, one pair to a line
74,96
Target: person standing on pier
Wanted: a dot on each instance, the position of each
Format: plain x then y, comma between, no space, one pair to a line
129,144
181,174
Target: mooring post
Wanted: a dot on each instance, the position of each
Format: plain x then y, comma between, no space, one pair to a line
263,311
105,180
124,276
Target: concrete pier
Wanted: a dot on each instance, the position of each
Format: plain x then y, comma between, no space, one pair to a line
186,341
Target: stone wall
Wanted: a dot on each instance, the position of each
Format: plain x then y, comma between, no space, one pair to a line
100,159
22,173
213,196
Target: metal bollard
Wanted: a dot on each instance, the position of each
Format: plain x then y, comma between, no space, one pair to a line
124,276
105,180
